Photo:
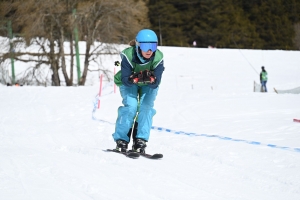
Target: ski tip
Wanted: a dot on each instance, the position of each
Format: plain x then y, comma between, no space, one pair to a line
154,156
158,156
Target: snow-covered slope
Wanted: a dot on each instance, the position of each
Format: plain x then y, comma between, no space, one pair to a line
227,142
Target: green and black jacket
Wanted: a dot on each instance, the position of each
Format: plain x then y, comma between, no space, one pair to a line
130,64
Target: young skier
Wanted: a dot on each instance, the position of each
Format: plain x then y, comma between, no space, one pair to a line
139,78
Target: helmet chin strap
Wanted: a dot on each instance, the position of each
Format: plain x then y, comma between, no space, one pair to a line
142,59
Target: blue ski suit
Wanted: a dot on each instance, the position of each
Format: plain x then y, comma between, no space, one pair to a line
138,99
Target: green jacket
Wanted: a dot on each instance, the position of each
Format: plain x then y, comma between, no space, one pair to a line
263,76
129,54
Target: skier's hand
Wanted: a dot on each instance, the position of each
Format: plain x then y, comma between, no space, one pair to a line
136,77
148,77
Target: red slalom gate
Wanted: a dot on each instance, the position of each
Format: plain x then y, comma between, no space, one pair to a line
297,120
100,90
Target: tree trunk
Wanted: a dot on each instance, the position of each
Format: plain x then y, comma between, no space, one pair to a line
54,65
71,58
86,63
63,59
297,36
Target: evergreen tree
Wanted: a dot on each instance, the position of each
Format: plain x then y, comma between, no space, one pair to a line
271,22
268,24
223,24
167,21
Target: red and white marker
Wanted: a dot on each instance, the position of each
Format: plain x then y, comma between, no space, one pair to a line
297,120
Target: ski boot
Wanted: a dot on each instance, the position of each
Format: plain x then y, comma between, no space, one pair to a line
121,145
139,145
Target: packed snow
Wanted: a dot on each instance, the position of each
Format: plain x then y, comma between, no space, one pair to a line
220,140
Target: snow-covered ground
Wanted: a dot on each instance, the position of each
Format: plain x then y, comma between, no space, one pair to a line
226,143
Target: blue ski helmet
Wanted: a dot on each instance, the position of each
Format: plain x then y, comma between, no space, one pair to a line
146,35
146,39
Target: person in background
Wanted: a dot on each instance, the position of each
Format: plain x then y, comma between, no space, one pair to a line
138,80
195,43
263,79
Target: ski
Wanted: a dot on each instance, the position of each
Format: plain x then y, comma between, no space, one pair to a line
128,154
150,156
133,154
153,156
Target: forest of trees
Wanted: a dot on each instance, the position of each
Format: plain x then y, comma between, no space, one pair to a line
251,24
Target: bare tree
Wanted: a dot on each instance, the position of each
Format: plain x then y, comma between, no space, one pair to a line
101,23
108,22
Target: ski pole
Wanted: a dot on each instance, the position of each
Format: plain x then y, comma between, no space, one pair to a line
117,64
115,87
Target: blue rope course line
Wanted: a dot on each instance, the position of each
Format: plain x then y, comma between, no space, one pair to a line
94,111
201,135
226,138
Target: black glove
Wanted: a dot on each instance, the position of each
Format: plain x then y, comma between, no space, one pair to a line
136,77
148,77
117,63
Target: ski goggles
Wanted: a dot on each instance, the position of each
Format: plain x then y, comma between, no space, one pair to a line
145,46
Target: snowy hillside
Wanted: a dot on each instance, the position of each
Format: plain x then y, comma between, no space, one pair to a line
226,143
